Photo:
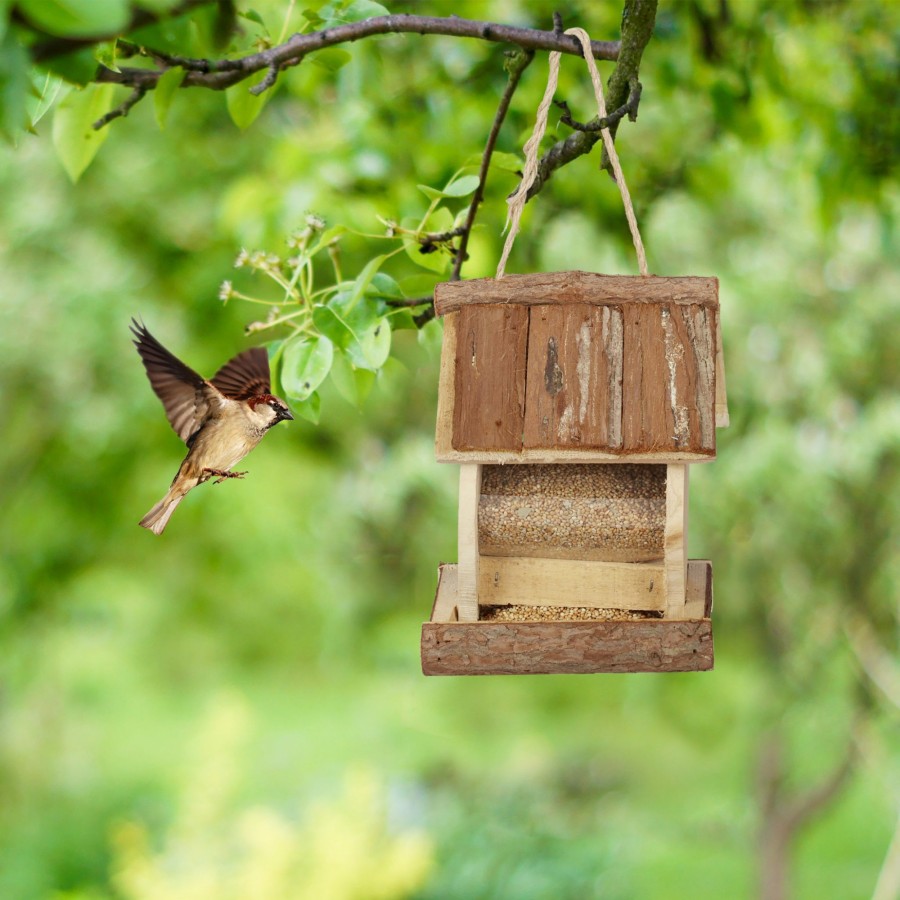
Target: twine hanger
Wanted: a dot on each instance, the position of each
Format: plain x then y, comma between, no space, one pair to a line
517,200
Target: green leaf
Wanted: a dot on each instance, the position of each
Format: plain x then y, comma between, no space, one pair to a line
14,86
506,162
305,363
45,88
402,319
168,84
77,18
308,409
4,16
363,279
74,138
253,16
338,13
329,323
462,187
106,54
331,58
353,384
244,107
441,220
373,346
383,285
431,337
326,237
78,67
420,285
430,192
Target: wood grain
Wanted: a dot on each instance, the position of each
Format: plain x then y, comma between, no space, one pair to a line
645,377
543,288
698,602
467,543
443,432
532,648
567,384
675,540
537,581
489,381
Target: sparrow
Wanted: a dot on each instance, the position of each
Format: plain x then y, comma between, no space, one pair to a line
221,420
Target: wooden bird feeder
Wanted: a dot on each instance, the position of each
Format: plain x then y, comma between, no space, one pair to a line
574,404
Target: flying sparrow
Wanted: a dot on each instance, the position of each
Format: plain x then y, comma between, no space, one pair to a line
221,420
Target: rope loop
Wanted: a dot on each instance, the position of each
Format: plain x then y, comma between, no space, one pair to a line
517,201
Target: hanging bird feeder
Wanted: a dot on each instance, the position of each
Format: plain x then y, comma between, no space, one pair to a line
574,404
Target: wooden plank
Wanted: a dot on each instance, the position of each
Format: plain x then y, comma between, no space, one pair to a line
645,374
565,455
443,432
566,384
690,359
698,599
675,540
568,648
542,288
571,647
467,549
445,598
532,581
489,384
612,335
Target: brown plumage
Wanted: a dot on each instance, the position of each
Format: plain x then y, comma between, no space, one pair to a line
221,420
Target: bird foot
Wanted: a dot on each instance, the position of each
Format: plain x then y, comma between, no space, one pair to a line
221,475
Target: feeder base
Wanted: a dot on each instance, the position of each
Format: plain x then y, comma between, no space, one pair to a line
570,647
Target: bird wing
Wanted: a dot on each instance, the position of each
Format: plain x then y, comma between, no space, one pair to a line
185,395
245,376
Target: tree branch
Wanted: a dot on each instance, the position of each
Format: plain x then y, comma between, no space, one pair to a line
221,74
638,19
784,814
122,109
517,63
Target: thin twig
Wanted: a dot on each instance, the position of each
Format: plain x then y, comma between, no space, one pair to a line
516,65
430,239
267,82
629,108
122,109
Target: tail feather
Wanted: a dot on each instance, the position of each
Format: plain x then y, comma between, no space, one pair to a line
158,517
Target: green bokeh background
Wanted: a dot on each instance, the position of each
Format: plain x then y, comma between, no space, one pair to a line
236,710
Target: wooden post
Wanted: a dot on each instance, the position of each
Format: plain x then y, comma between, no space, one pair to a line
675,541
469,493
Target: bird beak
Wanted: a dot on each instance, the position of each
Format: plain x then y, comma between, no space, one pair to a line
285,414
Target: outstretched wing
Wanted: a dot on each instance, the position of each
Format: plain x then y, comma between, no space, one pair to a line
245,376
185,395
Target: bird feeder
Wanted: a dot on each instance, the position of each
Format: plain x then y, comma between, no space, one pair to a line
574,404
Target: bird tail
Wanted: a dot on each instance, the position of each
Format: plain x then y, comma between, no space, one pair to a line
158,517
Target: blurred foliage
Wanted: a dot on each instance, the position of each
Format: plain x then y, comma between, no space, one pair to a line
243,697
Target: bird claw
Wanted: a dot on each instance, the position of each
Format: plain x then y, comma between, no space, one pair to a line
221,475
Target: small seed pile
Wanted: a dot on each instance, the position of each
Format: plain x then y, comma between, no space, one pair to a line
560,614
613,511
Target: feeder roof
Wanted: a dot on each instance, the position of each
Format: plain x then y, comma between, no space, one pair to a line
573,366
